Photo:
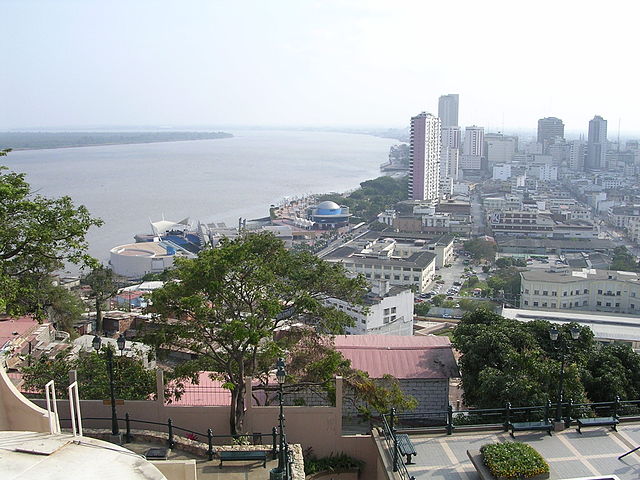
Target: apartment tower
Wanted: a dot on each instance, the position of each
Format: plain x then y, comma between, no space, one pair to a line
596,144
549,128
448,110
424,167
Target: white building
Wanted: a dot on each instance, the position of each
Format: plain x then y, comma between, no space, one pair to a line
544,172
499,148
135,260
389,311
473,141
585,289
501,172
424,164
577,152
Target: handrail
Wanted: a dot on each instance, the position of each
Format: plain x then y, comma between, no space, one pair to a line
54,418
75,410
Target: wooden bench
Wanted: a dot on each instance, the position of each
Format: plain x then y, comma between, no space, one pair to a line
238,456
530,426
598,422
405,447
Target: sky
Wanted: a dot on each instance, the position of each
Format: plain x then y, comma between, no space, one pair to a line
296,63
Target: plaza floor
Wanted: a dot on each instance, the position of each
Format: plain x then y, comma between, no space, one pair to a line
569,454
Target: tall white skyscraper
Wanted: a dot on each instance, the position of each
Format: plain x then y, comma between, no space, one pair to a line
597,144
424,167
448,110
450,153
473,141
576,155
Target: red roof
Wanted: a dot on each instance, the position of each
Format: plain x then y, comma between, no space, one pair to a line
11,328
401,356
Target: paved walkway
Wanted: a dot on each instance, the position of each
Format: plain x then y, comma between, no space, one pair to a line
569,454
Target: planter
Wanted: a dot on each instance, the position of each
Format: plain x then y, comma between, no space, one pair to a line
476,458
352,474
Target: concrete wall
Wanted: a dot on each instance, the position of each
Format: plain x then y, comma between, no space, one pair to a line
16,411
177,469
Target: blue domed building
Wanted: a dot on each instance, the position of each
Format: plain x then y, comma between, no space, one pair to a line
328,215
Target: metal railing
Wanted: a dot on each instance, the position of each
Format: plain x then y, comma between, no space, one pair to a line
495,418
397,460
255,437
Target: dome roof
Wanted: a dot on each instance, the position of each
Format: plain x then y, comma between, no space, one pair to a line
328,205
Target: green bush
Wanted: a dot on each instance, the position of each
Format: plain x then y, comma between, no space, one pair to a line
513,460
332,463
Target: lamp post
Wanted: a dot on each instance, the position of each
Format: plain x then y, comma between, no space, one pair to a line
281,471
97,342
555,336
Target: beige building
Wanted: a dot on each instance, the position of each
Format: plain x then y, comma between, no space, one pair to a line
585,289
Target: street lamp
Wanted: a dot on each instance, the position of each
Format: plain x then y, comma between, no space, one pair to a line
281,471
555,336
97,342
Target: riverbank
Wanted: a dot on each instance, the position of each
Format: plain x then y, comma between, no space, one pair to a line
53,140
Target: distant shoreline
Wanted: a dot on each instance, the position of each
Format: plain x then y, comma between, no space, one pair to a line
24,141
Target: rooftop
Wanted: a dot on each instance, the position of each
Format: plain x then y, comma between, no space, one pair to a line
401,356
582,274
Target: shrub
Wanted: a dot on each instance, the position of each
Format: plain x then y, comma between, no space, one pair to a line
513,460
332,463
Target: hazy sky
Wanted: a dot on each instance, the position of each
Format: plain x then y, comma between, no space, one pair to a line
317,63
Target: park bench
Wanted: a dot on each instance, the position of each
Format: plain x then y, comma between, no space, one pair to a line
598,422
237,456
530,426
405,447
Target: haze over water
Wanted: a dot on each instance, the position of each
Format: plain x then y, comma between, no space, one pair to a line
210,180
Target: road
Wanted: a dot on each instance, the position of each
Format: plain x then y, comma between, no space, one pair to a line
477,215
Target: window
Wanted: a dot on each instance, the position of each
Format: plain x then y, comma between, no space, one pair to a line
564,305
526,302
377,275
599,292
544,304
618,293
545,293
599,304
633,294
386,311
416,278
406,278
393,309
526,290
536,292
396,277
577,304
632,306
535,304
617,304
585,291
564,294
553,305
368,275
608,304
584,303
554,294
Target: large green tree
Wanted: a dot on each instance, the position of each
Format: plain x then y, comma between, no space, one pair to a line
103,286
226,306
132,381
481,249
37,235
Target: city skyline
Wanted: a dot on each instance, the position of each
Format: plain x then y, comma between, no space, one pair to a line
350,64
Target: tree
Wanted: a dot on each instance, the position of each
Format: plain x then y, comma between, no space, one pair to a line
613,370
481,249
38,235
226,305
506,360
507,280
131,380
623,260
437,300
421,309
103,286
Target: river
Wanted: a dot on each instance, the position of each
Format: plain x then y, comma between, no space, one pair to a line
210,180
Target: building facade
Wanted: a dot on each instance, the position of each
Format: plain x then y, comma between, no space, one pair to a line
424,154
448,109
596,144
549,129
585,289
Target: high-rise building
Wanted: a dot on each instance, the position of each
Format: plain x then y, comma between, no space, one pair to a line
499,148
549,128
596,144
450,152
576,155
424,154
473,141
448,110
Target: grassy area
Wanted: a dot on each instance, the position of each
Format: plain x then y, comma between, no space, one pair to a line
468,291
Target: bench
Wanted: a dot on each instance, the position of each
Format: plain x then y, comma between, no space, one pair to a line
238,456
598,422
530,426
405,447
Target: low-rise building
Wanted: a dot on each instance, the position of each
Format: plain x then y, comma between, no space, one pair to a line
584,289
386,311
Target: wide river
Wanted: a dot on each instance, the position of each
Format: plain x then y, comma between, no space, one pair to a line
210,180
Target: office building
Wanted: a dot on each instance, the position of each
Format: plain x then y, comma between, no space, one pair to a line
549,129
448,110
450,153
473,141
424,154
596,144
